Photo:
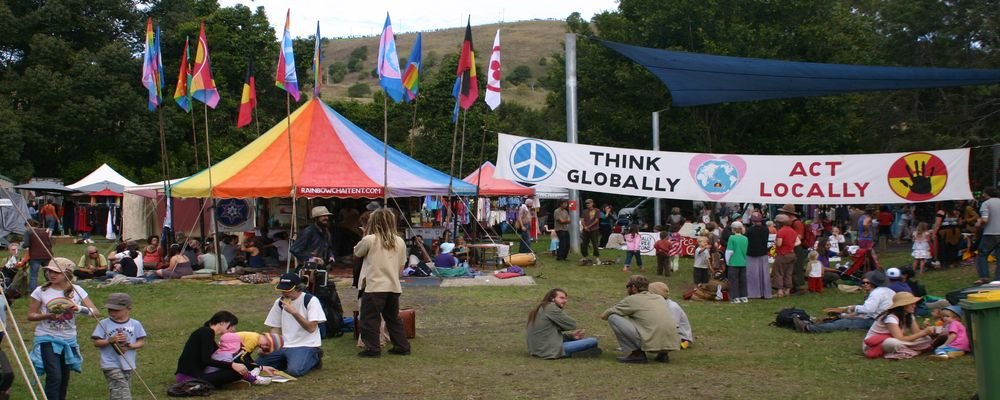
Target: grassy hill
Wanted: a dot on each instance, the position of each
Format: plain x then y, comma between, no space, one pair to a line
523,43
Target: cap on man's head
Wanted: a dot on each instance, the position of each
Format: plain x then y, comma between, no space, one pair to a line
589,201
319,211
288,281
118,301
893,273
372,206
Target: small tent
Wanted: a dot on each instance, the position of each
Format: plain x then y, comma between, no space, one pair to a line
490,186
103,178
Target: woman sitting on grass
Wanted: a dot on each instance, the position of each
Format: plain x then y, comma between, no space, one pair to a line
198,350
553,334
895,333
179,265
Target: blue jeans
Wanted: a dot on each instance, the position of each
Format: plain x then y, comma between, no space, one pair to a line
843,324
56,373
296,361
628,258
987,245
33,267
52,223
573,346
525,246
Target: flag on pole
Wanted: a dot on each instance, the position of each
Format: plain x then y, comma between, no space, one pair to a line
152,66
249,99
182,95
317,71
466,71
388,64
202,84
411,77
493,77
285,77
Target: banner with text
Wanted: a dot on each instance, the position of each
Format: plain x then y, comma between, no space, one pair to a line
829,179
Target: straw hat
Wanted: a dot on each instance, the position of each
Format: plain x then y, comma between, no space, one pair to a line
903,299
660,288
319,211
788,209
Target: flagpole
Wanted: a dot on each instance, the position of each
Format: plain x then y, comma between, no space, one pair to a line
211,189
479,179
194,135
385,149
291,174
166,171
413,129
451,169
256,121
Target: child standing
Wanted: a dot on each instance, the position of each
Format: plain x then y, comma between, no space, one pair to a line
702,255
632,240
554,242
921,247
118,337
675,251
815,272
958,341
662,247
835,239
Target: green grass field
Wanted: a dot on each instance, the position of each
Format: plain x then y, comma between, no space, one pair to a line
470,345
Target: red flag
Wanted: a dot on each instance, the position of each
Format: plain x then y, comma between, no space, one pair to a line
466,71
249,99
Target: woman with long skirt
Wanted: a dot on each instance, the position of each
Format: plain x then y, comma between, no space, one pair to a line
758,271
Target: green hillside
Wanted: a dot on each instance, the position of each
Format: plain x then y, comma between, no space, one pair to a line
523,43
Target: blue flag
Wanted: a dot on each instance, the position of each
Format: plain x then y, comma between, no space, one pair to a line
389,75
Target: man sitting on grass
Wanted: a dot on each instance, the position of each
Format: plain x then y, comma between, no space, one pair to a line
859,317
552,334
298,323
642,323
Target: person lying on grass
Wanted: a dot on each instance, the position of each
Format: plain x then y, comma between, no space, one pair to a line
553,334
857,317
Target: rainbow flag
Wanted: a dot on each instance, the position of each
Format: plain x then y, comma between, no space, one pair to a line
152,66
285,77
411,77
388,64
317,70
181,95
202,85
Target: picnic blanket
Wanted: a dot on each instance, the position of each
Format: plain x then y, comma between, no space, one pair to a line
488,280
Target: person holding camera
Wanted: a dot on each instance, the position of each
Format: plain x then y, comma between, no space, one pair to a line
297,320
315,242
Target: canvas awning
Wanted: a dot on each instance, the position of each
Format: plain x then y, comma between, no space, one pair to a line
103,175
332,157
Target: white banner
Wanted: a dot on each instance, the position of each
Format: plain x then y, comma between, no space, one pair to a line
829,179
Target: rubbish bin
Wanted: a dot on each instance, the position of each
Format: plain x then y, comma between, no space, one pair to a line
984,313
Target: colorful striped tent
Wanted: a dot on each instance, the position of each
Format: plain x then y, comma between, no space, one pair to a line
332,158
490,186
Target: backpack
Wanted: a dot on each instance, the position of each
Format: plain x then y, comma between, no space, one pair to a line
808,234
421,269
329,300
785,317
191,388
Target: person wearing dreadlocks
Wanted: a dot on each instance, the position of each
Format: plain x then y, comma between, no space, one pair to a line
55,305
384,255
118,337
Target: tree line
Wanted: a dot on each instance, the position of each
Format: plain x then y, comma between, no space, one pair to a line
70,95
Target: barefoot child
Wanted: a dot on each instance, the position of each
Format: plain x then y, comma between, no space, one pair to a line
921,247
958,341
554,242
701,259
231,347
815,272
118,337
662,247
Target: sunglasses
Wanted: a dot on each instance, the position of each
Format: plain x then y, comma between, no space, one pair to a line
92,252
866,282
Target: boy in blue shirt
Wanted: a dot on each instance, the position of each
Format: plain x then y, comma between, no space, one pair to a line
118,337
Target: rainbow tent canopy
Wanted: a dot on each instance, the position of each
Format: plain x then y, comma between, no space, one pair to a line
490,186
331,156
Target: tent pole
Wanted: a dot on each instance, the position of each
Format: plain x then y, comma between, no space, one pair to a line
211,189
291,174
194,136
168,217
451,169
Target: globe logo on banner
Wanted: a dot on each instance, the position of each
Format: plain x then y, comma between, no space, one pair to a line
532,161
717,176
918,176
232,212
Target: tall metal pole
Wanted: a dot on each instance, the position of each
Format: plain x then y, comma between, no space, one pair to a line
574,195
656,147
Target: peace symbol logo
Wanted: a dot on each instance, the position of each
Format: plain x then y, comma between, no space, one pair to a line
918,176
532,161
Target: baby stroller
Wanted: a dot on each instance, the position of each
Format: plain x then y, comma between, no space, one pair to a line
861,262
